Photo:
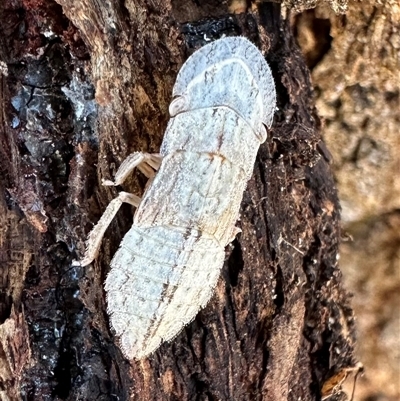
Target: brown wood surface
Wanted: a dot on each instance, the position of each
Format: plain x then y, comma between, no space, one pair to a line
85,84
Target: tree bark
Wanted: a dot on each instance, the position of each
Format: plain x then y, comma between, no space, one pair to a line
84,84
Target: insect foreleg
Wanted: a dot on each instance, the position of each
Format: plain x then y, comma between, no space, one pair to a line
145,162
96,235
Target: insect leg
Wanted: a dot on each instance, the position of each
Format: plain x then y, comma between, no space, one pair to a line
235,231
145,162
96,235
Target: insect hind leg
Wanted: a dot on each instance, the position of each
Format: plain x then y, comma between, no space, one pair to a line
96,235
147,163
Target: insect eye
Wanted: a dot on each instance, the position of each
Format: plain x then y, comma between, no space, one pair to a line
177,105
262,133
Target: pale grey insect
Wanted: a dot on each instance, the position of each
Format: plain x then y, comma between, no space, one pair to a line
169,262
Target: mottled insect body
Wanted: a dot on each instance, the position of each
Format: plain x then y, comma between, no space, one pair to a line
169,262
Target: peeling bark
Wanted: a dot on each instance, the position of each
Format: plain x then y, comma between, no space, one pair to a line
87,83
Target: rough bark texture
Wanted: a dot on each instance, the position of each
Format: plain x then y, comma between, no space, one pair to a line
85,83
